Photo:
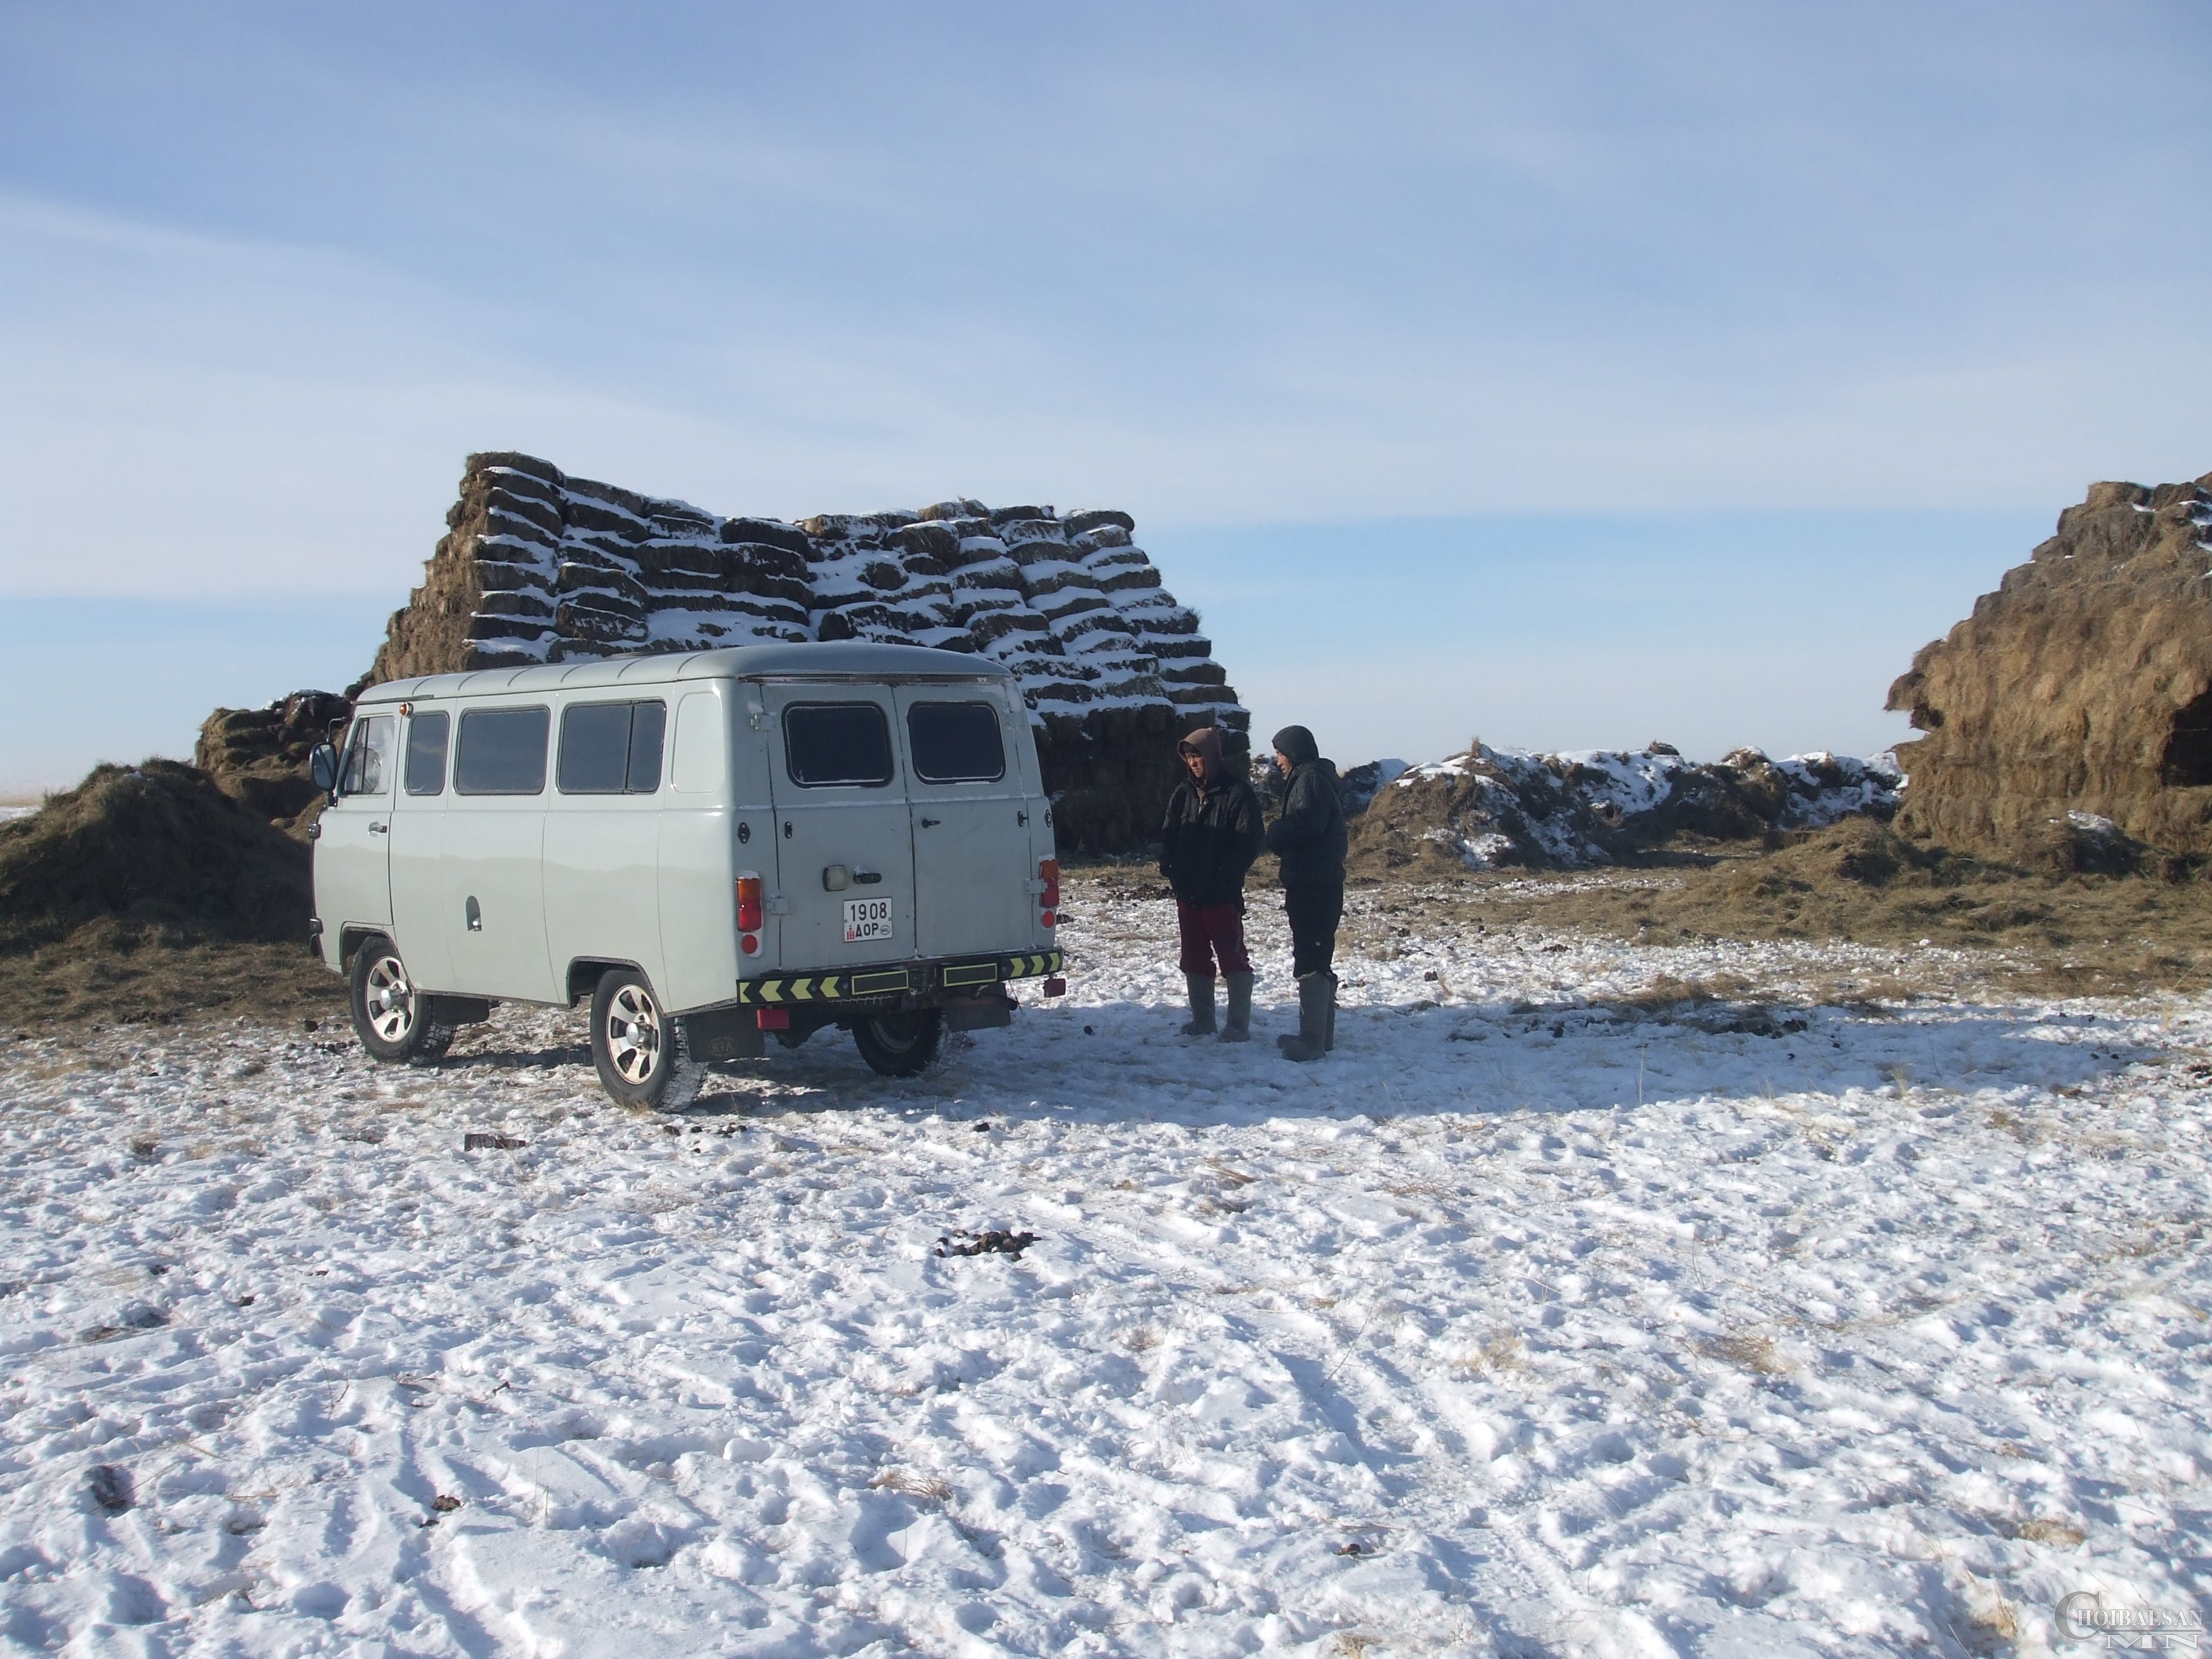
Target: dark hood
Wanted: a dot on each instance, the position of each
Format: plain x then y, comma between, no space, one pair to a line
1298,744
1205,743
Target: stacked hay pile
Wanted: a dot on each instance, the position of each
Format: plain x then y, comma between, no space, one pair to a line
259,756
1492,807
539,566
2070,716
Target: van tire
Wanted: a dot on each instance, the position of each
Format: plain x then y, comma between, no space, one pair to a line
396,1022
904,1042
641,1052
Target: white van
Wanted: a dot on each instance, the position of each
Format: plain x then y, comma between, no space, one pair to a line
709,846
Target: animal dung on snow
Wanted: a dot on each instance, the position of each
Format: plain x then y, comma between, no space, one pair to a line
997,1241
111,1489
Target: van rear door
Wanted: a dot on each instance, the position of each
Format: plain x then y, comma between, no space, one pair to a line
844,848
971,838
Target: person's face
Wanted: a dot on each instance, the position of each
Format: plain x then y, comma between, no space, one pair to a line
1282,763
1196,763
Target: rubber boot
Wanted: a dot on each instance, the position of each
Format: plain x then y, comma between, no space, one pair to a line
1328,1027
1312,1040
1201,1005
1237,1026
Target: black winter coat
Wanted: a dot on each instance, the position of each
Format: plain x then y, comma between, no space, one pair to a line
1310,837
1208,842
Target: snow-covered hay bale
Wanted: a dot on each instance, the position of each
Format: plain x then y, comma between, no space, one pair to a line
2081,690
158,845
1491,807
540,567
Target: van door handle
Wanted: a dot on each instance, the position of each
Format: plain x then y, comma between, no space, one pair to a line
929,823
867,878
375,828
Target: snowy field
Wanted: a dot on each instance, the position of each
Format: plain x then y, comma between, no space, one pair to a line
1535,1320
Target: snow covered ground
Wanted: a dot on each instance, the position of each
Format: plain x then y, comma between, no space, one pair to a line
1531,1322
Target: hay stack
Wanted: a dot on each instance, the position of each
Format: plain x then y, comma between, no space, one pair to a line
1489,808
259,756
158,846
540,567
2080,690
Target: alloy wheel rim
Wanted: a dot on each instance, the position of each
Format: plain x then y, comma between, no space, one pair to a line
632,1034
391,999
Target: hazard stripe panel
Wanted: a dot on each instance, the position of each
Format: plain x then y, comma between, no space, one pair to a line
786,988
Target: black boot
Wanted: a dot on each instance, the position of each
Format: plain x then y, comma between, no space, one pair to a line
1201,1005
1312,1040
1328,1029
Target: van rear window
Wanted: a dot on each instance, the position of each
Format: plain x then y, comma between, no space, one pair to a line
955,742
837,743
426,752
501,751
611,748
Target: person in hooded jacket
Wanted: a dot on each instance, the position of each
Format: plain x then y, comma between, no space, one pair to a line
1210,836
1309,840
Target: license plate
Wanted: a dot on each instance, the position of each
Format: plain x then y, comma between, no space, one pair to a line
867,919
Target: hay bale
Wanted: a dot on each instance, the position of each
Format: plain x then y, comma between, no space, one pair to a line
158,846
540,567
259,756
1486,808
2083,685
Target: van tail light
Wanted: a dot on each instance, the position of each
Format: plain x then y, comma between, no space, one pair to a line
774,1020
1055,986
750,911
1048,901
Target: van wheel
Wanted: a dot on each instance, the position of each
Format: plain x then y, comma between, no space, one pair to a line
395,1022
901,1044
642,1057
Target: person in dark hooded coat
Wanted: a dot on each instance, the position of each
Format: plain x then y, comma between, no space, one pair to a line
1208,840
1309,840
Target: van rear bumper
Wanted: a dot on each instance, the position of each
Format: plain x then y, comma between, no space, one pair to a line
914,984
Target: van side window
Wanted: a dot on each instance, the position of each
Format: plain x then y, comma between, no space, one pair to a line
368,758
648,734
955,743
501,751
611,748
832,743
426,752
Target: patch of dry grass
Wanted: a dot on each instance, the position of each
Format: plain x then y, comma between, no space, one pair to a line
2035,934
112,973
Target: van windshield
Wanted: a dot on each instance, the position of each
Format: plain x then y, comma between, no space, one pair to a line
837,743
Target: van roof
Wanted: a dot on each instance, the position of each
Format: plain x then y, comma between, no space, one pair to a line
856,658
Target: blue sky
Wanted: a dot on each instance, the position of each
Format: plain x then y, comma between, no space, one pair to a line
1553,373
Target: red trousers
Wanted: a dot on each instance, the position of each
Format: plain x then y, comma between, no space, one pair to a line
1215,930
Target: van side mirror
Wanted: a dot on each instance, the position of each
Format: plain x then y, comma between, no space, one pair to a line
322,768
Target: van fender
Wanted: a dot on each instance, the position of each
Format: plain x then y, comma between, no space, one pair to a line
586,972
